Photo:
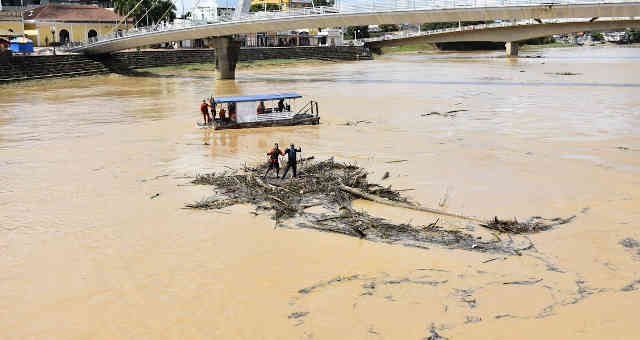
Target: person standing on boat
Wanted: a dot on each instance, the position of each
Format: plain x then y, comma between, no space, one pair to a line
291,160
232,112
273,160
223,113
204,108
261,108
281,105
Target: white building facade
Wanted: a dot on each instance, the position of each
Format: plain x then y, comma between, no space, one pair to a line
212,11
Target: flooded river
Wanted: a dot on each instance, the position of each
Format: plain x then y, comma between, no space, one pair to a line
86,254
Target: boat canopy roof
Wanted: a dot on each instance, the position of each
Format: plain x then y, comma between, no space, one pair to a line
256,98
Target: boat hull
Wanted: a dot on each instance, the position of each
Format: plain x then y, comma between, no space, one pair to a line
311,120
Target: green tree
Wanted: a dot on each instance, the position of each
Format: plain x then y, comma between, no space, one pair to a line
156,9
363,32
430,26
539,41
633,35
163,7
260,7
389,28
326,3
597,36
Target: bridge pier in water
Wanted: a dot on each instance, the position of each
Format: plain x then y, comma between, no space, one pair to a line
227,54
512,48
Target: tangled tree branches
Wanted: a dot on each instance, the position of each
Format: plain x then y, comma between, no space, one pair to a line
533,225
333,185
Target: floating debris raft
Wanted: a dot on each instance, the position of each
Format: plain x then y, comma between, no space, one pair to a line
331,187
563,73
532,225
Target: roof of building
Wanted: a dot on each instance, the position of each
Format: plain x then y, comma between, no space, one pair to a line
256,98
70,13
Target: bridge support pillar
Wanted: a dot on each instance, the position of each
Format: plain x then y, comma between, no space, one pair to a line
227,53
512,48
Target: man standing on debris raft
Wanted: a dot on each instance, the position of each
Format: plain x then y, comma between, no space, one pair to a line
273,160
291,160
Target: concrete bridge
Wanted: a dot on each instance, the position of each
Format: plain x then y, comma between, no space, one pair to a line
352,13
510,33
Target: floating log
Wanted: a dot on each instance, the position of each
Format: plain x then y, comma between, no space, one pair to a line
404,205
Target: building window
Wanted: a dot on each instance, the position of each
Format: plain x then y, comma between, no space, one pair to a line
64,36
92,34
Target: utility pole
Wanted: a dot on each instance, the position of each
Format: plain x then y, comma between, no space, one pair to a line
22,16
53,33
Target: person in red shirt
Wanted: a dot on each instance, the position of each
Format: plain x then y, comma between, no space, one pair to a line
204,108
223,113
273,160
232,112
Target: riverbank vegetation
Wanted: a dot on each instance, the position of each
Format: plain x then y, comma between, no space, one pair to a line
241,65
409,48
555,44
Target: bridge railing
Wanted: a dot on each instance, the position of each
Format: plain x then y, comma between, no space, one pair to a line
395,5
341,7
165,27
408,34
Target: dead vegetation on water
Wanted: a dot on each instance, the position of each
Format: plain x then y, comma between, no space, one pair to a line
332,186
532,225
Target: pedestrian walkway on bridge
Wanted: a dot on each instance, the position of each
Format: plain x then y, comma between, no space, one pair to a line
351,13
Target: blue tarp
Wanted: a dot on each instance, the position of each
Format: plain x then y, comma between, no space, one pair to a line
21,45
256,98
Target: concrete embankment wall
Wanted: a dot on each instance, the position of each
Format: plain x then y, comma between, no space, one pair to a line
16,68
41,67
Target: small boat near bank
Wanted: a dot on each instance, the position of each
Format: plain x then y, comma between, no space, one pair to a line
267,110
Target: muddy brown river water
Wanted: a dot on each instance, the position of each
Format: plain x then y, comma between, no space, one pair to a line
86,254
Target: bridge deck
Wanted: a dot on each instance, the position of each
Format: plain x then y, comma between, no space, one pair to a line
374,13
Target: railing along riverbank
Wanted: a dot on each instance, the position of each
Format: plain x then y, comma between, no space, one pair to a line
20,68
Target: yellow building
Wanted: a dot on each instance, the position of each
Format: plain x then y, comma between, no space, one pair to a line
69,23
10,24
284,4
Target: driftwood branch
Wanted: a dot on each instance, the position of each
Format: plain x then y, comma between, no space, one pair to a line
385,201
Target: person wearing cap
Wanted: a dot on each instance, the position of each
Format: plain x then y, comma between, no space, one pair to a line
291,160
204,108
273,160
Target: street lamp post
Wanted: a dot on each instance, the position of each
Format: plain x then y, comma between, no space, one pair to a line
53,33
22,16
